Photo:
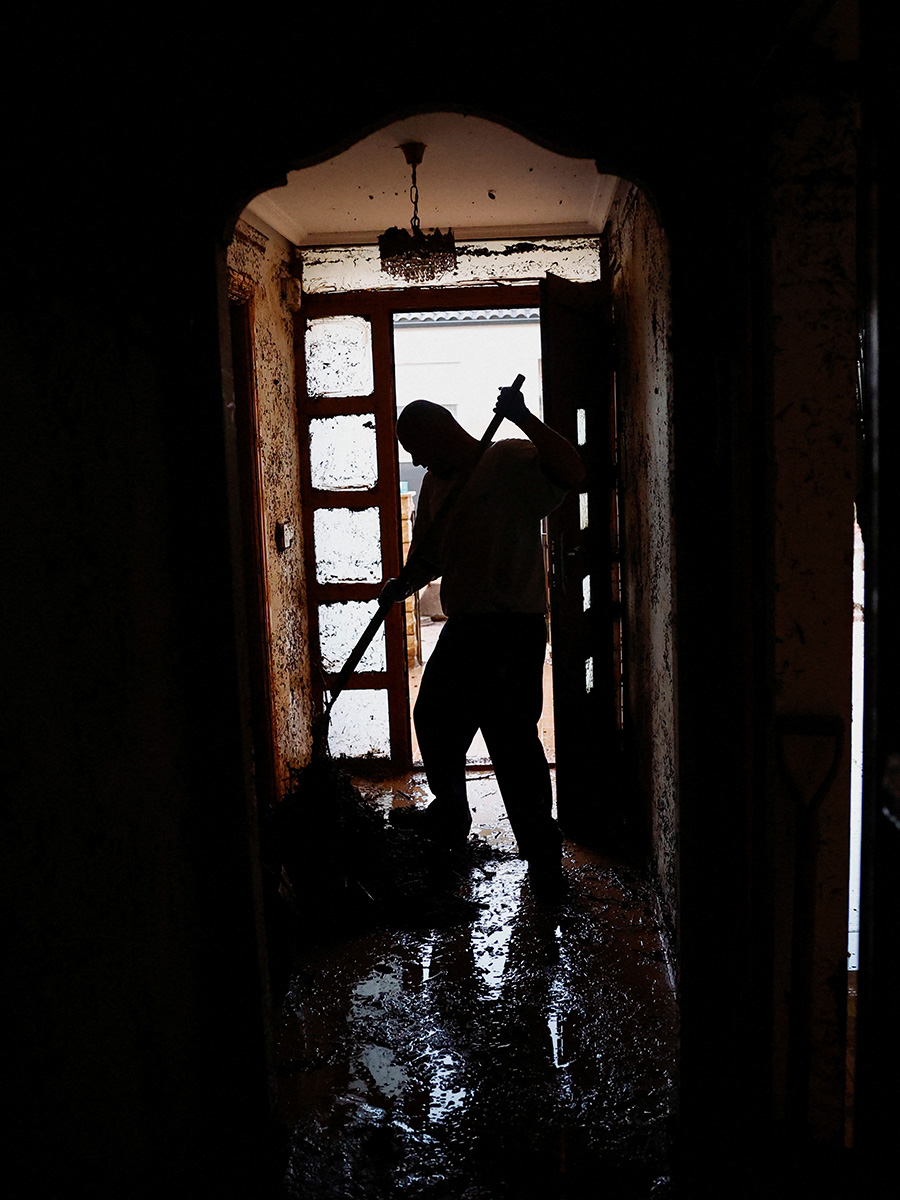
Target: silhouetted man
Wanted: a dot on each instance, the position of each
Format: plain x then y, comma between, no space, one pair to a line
486,670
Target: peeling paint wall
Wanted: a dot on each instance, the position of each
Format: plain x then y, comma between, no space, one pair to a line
260,259
640,284
358,268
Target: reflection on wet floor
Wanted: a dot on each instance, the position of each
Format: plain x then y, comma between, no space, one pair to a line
524,1051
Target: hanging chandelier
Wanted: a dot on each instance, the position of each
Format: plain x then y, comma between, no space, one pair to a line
411,254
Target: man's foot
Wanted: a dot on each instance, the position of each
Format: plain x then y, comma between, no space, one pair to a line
449,831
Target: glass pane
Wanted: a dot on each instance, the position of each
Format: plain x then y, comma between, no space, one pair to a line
339,357
359,726
583,509
582,426
340,628
347,545
342,453
586,592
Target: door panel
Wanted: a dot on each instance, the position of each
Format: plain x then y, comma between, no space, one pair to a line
584,577
351,514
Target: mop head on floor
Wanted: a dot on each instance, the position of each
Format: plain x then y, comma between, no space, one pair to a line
332,856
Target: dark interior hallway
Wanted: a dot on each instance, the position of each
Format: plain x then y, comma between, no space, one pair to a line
470,1041
755,299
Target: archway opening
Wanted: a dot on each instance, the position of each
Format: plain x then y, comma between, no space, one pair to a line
440,1101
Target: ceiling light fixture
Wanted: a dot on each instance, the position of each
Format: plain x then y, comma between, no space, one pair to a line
411,254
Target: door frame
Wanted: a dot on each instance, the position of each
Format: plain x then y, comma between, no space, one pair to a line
265,767
379,307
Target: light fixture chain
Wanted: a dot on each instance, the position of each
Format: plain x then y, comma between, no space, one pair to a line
414,197
409,254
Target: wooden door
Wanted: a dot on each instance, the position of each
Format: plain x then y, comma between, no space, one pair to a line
585,599
344,351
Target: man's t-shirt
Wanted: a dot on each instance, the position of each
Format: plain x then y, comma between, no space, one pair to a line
491,557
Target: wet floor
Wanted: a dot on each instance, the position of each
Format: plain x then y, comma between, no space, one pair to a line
487,1047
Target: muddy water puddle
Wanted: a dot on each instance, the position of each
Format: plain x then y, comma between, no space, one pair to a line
525,1050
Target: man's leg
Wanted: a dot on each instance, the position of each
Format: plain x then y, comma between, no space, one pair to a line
446,721
510,728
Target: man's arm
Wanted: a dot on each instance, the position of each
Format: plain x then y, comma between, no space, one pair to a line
558,457
420,567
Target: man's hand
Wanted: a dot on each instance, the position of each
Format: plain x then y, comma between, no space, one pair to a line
558,457
511,405
392,591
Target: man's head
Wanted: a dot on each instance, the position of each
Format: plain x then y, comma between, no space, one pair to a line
434,438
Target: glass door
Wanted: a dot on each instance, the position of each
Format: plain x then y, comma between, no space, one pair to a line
351,519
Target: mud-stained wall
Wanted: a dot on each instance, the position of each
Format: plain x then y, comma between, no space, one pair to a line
640,284
258,259
813,171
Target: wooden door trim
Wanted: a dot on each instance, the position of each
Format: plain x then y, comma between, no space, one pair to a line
246,400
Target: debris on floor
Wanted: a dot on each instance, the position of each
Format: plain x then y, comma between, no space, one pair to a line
339,866
519,1051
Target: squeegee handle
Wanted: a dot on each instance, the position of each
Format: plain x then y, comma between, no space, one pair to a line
357,652
497,418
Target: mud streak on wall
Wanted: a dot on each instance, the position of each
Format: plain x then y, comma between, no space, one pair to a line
640,264
263,258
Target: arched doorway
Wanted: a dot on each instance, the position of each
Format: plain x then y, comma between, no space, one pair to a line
528,239
634,507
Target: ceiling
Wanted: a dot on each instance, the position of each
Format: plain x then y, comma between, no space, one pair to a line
481,179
